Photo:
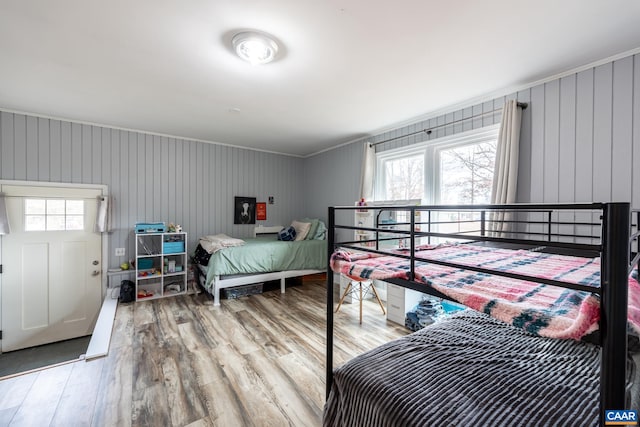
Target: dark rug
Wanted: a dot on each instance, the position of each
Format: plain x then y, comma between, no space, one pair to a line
258,288
27,359
274,285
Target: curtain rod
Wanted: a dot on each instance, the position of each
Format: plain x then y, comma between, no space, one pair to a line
428,131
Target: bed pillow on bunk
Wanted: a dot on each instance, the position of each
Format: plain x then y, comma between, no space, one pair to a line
287,234
302,229
321,232
312,230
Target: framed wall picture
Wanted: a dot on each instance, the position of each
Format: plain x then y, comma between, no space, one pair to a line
261,211
244,210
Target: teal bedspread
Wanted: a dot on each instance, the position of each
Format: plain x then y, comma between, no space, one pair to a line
265,254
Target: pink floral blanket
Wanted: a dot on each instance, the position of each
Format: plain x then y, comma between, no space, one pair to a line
540,309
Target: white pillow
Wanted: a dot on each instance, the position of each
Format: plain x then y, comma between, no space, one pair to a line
302,229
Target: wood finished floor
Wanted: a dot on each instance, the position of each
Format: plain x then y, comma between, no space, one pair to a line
254,361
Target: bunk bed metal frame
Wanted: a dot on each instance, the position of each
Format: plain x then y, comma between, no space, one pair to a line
615,247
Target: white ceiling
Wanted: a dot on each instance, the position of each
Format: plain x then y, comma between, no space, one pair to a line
349,68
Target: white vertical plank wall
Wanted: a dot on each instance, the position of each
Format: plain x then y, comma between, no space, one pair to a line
151,177
580,140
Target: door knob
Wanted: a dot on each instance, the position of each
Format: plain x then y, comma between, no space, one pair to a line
95,273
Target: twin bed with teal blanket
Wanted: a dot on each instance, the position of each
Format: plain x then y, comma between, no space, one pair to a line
261,259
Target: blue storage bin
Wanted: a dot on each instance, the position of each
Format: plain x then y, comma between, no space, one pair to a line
173,247
150,227
451,307
145,263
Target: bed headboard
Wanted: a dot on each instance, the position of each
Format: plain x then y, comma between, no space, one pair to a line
271,229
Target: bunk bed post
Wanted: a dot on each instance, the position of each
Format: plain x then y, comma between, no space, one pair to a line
412,239
377,226
637,230
614,288
482,223
329,356
429,226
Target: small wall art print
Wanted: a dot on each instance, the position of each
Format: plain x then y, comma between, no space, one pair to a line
261,211
244,210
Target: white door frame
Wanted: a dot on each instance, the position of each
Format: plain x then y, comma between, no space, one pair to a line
105,242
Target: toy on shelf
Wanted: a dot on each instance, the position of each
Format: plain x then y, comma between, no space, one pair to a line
174,228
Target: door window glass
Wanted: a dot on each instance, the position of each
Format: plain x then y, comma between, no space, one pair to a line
53,215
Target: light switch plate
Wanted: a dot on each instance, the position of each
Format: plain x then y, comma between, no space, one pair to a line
120,252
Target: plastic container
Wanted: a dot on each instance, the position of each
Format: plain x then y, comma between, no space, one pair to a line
145,263
173,247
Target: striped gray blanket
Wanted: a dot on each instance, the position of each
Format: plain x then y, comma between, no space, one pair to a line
469,369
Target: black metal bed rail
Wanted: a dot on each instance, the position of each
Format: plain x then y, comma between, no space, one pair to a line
503,221
549,222
495,222
615,249
465,235
479,238
515,207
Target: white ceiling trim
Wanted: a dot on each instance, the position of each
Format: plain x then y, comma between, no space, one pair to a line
145,132
483,98
437,113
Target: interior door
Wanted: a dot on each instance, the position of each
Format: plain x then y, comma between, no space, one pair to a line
51,280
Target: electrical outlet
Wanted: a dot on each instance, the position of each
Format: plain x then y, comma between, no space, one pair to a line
119,251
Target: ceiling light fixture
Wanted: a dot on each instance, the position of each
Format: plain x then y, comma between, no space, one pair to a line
255,47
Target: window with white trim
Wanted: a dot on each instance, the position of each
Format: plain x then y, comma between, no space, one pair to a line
53,215
454,170
457,169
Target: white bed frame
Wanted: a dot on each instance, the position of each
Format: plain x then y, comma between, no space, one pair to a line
220,283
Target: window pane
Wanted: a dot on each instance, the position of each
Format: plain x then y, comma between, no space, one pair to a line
53,215
404,178
34,206
75,222
55,207
466,173
34,222
55,222
75,207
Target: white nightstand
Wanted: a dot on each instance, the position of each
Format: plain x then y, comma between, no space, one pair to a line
399,301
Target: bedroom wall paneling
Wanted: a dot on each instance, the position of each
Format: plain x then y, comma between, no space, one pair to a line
580,137
622,129
333,177
152,177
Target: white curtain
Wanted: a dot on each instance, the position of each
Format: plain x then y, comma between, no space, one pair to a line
4,218
367,172
103,215
505,174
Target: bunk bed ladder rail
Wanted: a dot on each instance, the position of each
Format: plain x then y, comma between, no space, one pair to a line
614,300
